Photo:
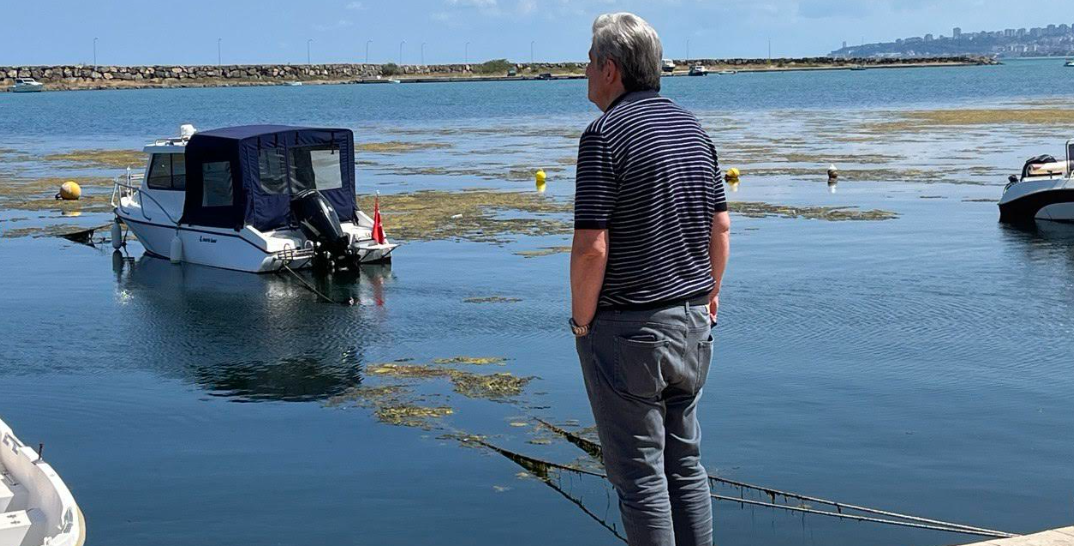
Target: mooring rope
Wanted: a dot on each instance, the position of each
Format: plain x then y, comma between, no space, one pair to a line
310,287
594,450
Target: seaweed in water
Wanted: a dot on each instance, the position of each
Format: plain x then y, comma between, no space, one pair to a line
432,215
99,158
492,299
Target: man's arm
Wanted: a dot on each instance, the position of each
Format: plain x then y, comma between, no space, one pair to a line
589,256
719,251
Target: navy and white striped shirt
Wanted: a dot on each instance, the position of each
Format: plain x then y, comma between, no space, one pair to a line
648,173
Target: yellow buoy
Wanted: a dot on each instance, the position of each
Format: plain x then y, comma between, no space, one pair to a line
70,191
731,176
541,178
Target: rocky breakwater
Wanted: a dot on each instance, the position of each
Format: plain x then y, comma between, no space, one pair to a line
119,77
112,77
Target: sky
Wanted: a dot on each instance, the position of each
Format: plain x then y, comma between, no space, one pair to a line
46,32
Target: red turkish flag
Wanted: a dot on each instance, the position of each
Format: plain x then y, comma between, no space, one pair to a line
378,227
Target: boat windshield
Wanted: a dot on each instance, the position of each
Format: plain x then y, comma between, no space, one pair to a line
1070,158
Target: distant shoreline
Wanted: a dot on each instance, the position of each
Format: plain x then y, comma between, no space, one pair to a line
82,77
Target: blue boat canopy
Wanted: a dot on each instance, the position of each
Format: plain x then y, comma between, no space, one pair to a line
248,174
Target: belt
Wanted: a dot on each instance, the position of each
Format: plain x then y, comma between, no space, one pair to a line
699,299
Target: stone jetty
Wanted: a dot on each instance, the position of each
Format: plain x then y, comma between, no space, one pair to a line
73,77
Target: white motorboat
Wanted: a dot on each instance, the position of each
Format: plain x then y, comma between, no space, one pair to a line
253,198
1044,191
1069,63
27,85
698,70
36,508
727,72
667,66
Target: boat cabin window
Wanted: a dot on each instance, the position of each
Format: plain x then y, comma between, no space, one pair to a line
216,184
272,169
316,167
167,172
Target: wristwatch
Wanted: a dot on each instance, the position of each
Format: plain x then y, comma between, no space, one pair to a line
578,330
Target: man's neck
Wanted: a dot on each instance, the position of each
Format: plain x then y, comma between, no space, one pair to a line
613,97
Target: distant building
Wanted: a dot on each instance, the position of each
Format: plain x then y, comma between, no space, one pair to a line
844,44
956,33
1009,33
928,37
1021,33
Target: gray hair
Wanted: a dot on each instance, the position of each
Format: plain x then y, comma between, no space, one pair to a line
634,46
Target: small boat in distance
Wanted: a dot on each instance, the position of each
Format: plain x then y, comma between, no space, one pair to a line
27,85
857,67
667,65
727,72
36,508
254,198
1070,63
698,70
1044,191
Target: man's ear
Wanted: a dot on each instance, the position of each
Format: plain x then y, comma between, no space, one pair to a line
609,70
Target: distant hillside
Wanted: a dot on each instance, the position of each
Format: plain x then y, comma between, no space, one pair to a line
1053,40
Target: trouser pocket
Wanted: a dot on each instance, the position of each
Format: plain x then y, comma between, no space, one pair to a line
704,360
638,363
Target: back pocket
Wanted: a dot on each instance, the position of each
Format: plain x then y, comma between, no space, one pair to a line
704,360
638,361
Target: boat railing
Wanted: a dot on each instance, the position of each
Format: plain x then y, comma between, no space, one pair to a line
128,185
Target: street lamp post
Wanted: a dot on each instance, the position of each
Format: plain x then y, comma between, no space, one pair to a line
532,42
423,54
401,44
95,52
218,56
687,49
308,56
367,42
466,54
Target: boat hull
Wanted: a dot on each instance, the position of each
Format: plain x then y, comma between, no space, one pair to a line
36,507
243,250
1031,200
28,89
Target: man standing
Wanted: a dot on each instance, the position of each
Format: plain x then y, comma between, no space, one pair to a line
650,247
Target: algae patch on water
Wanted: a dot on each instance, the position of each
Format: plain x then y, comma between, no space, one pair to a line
474,360
477,216
397,147
926,119
492,299
834,214
411,416
545,251
497,386
99,158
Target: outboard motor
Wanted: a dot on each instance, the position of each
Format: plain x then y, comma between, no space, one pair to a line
320,223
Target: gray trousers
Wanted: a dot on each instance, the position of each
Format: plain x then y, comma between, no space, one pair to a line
643,372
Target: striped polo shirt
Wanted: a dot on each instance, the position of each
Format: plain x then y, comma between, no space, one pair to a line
648,173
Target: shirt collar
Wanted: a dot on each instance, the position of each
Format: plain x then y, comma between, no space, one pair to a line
632,96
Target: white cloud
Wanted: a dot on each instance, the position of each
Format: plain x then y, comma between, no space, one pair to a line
526,7
322,27
481,4
355,6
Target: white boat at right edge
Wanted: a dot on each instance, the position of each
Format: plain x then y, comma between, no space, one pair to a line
36,508
1044,191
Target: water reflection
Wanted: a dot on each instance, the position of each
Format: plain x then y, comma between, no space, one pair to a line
249,337
833,182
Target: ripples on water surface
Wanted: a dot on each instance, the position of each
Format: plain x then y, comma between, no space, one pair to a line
921,364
